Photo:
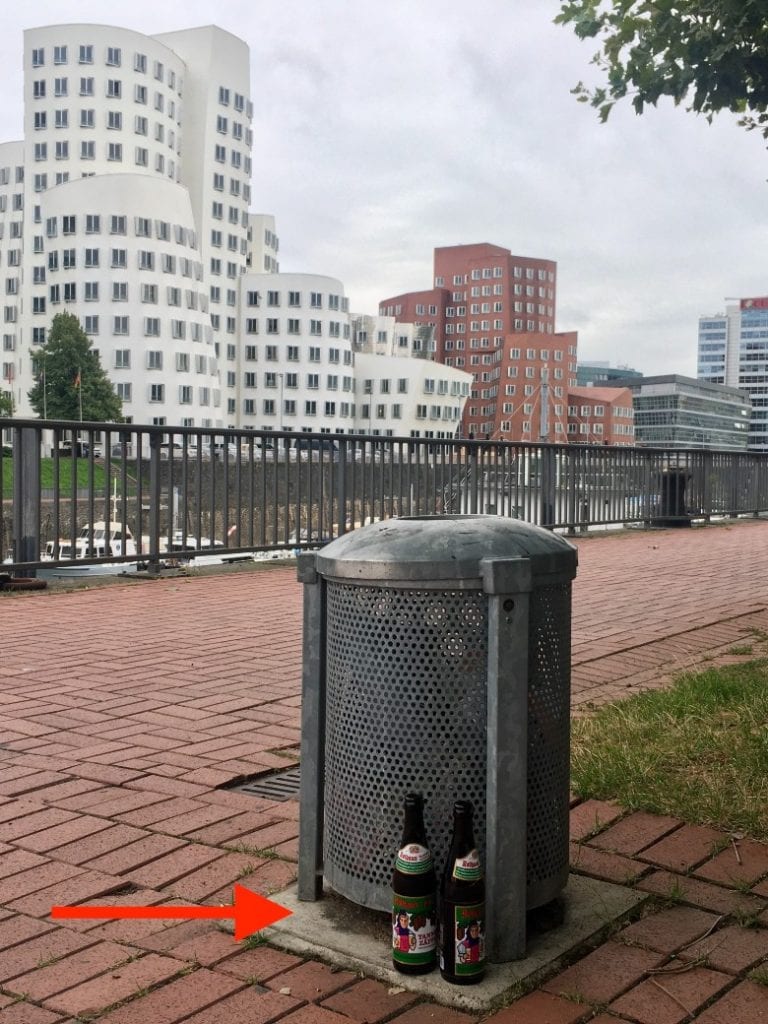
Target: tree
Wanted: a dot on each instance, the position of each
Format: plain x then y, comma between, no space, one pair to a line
712,54
71,384
6,404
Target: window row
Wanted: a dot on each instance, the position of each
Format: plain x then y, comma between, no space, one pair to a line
183,361
113,90
294,300
117,259
314,328
151,327
117,224
113,57
118,291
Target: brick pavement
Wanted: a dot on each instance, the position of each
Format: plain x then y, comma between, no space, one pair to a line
123,708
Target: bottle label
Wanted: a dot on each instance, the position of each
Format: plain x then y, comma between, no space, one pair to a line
413,929
469,940
413,859
467,868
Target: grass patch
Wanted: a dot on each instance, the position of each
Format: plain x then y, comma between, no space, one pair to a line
698,750
65,475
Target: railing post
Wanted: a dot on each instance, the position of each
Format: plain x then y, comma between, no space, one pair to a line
26,495
155,440
341,488
547,485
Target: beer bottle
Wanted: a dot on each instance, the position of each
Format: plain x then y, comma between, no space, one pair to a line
414,911
462,904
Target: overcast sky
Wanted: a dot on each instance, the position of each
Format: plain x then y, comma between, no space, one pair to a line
383,129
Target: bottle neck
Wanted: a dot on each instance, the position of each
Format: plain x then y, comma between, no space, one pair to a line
413,827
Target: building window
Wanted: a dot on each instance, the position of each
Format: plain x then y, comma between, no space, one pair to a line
157,392
86,55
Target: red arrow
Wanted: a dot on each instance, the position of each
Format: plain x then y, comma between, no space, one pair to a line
250,911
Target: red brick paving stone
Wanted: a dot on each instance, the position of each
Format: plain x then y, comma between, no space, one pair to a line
369,1002
731,949
61,835
633,833
10,831
11,810
28,955
127,858
18,860
99,844
26,1013
726,869
260,964
85,886
168,808
122,983
611,866
231,829
254,1007
175,1001
313,1015
668,930
169,935
648,1004
34,781
165,871
702,894
424,1013
17,929
124,930
169,787
312,981
208,949
605,973
126,801
218,875
592,815
685,848
183,824
34,879
542,1008
210,777
43,982
264,838
271,877
745,1004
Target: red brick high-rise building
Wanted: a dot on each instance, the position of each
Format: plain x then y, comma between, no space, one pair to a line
494,316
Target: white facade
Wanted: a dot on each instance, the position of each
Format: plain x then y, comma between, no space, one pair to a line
264,245
127,205
733,350
298,369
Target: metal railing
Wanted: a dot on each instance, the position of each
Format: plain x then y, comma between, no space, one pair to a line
123,494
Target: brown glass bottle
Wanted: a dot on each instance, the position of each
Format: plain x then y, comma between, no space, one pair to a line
414,903
462,904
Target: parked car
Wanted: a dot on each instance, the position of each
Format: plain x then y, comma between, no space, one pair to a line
82,449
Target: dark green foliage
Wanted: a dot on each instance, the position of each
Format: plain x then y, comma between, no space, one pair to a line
67,365
711,54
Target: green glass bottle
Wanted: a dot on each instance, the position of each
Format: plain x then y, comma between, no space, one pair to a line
414,904
462,904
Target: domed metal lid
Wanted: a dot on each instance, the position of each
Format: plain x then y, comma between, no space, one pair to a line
443,547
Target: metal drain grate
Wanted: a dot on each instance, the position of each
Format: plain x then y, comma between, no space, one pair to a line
277,786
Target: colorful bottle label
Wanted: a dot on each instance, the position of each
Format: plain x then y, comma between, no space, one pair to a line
467,868
413,929
469,940
413,859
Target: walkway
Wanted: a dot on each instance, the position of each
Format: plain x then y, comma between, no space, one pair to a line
122,708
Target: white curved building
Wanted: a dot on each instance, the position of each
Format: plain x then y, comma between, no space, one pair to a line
170,115
298,369
127,204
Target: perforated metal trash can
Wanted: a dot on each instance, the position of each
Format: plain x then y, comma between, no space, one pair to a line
437,659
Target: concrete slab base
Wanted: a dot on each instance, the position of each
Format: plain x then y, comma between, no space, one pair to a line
349,936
